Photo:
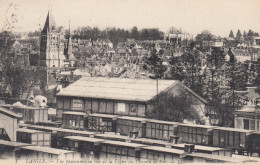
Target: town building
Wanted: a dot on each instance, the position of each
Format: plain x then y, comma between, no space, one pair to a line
120,96
51,44
248,117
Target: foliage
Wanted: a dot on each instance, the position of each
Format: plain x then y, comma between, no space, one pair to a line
239,35
154,64
117,35
173,108
6,42
231,34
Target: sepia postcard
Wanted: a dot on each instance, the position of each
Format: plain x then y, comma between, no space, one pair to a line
129,82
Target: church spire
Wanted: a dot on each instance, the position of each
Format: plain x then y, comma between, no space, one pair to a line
69,42
49,23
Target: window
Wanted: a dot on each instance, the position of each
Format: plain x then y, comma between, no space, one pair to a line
77,104
246,124
132,107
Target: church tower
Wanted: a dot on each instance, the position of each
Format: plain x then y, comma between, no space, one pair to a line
51,45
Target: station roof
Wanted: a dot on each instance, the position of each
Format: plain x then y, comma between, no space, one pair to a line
141,90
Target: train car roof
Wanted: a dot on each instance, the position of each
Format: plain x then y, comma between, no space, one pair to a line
164,149
162,122
217,157
197,125
153,141
102,115
125,144
24,124
26,130
86,139
9,112
132,118
13,144
76,131
74,113
108,135
47,150
44,127
233,129
200,147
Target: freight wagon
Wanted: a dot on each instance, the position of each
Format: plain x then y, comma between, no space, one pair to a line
87,146
195,134
34,137
45,153
131,126
52,130
101,122
33,115
235,139
73,120
206,150
116,150
115,137
61,133
8,148
161,154
161,130
255,143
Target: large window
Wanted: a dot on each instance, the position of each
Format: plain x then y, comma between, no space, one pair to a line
246,124
77,104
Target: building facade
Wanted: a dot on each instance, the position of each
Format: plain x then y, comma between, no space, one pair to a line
51,45
119,96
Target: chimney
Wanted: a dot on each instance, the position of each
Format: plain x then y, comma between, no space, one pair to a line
189,148
71,76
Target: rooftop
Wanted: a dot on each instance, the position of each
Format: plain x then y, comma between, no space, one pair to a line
47,150
142,90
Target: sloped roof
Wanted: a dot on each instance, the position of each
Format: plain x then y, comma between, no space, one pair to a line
72,57
119,88
9,112
49,24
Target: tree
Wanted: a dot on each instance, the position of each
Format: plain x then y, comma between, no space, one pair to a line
154,62
6,42
173,30
231,34
135,33
239,35
173,108
187,68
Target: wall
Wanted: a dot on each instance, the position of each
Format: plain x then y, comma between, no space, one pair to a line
10,125
100,106
254,121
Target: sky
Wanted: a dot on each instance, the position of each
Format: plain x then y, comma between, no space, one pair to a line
192,16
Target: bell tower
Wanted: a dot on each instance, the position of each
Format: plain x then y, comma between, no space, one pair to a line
51,45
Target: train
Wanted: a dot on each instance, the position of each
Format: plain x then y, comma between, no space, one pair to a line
240,141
